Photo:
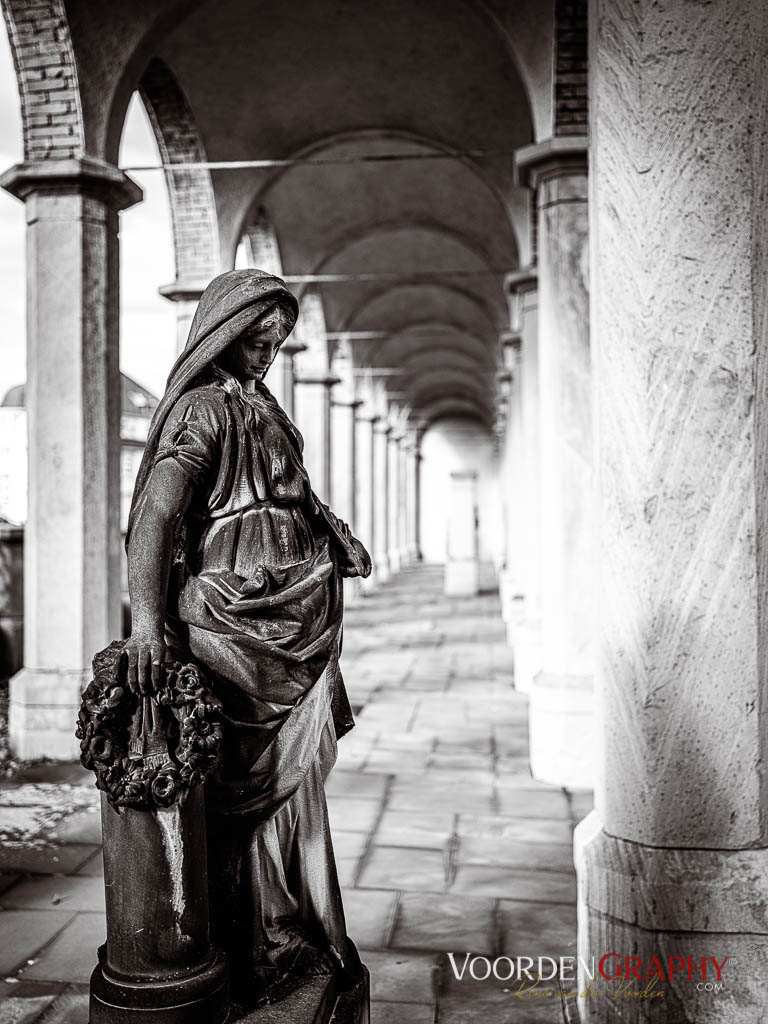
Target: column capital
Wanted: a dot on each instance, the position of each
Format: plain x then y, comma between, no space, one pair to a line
84,175
552,158
351,403
184,291
328,379
518,282
292,347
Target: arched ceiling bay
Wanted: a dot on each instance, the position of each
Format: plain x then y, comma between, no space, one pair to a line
343,87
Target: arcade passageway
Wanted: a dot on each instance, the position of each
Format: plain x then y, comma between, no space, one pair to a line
444,841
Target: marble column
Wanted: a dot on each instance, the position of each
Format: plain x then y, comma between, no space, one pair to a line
461,562
72,539
185,296
412,458
521,345
674,861
381,487
561,709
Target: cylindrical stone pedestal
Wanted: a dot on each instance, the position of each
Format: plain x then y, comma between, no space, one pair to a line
674,863
461,563
157,965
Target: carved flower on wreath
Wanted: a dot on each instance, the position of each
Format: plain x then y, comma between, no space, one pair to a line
106,722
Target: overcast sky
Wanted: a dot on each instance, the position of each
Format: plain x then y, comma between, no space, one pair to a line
147,322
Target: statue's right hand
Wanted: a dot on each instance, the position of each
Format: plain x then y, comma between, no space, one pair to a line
143,657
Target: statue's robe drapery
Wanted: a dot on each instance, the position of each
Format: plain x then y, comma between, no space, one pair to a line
255,596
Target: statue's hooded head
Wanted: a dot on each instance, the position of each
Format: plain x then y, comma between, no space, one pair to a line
230,308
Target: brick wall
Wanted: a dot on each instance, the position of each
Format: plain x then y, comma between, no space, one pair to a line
193,210
571,67
52,120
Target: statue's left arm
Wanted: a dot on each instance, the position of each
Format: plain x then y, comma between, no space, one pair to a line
353,559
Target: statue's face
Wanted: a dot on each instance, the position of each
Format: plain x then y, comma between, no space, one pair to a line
253,353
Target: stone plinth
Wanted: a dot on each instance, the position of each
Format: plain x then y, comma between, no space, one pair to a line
461,562
72,538
561,724
678,320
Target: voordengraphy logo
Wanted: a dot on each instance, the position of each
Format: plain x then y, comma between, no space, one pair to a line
612,975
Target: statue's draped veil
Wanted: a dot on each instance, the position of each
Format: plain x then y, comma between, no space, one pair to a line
228,306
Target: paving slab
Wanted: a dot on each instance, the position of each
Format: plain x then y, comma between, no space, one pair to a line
71,956
444,923
24,933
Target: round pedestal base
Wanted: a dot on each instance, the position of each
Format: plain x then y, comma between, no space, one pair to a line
201,998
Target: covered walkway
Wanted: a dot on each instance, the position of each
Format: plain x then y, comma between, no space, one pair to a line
444,842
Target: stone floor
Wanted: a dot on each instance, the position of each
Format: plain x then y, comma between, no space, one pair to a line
445,843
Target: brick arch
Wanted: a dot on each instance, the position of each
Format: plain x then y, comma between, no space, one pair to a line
193,206
46,72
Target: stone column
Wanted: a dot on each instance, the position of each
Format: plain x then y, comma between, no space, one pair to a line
461,563
72,539
185,296
521,352
345,462
674,861
381,486
313,417
394,550
402,516
561,718
510,480
412,458
365,485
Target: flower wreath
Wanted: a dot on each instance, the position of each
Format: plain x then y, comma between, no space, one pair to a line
190,731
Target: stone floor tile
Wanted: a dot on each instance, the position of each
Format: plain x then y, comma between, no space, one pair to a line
382,760
7,879
508,853
346,869
356,784
44,860
350,845
64,893
428,795
532,929
414,828
71,1007
80,827
94,866
385,1012
546,886
389,867
71,957
435,921
349,814
369,914
402,977
521,830
18,1009
461,761
533,804
490,1001
24,933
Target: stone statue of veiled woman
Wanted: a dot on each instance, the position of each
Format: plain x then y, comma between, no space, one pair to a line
234,563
